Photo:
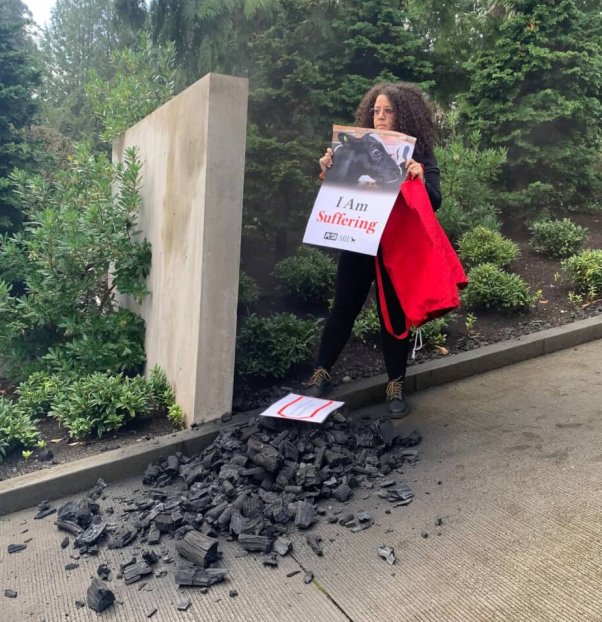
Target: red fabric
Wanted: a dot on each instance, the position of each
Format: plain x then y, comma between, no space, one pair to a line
419,260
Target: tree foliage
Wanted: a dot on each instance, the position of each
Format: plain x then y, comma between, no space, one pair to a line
209,35
142,80
80,37
537,92
19,79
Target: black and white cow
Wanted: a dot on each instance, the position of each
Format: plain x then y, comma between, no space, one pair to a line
356,157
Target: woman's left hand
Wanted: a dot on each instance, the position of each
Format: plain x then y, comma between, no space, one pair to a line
415,169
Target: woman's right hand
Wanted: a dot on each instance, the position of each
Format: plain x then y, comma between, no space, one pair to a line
326,160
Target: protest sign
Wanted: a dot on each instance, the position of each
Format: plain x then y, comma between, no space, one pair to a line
302,408
359,190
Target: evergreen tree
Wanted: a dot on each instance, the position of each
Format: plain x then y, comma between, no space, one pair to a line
19,79
451,32
209,35
537,92
309,70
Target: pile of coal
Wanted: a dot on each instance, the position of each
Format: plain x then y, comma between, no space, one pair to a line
252,484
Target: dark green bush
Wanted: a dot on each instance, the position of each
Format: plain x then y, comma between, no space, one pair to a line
100,402
492,288
270,346
248,292
557,238
483,245
468,176
585,271
58,308
307,276
111,342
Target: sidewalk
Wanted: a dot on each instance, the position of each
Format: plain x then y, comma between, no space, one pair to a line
511,460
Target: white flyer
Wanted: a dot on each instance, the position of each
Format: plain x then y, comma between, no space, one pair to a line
296,407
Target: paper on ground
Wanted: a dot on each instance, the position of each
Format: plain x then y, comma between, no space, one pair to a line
296,407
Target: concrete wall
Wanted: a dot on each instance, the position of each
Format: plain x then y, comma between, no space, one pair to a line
192,151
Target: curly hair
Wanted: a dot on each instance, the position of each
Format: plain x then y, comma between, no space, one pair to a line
413,113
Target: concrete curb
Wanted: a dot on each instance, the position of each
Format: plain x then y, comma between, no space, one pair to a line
487,358
28,490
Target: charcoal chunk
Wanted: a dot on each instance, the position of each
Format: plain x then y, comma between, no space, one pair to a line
199,549
264,455
283,546
200,577
103,571
308,577
44,513
401,492
315,543
99,596
76,512
154,535
121,537
305,515
15,548
387,553
183,604
135,572
70,526
250,542
342,493
270,560
10,593
91,535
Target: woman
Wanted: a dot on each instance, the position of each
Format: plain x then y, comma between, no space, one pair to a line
400,107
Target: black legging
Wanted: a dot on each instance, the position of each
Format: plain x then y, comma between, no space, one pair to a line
355,274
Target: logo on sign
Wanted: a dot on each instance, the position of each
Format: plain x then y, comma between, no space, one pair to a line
330,236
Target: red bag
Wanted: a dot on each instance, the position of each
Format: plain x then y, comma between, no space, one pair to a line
419,259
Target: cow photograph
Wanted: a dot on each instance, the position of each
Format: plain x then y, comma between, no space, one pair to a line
368,158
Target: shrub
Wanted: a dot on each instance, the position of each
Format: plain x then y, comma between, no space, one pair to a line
557,238
308,276
248,291
468,181
161,392
39,391
111,342
492,288
270,346
57,304
367,324
482,245
176,416
100,402
585,271
17,428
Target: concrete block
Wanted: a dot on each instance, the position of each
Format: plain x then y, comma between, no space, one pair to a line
192,151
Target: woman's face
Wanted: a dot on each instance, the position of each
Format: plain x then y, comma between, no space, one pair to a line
383,114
